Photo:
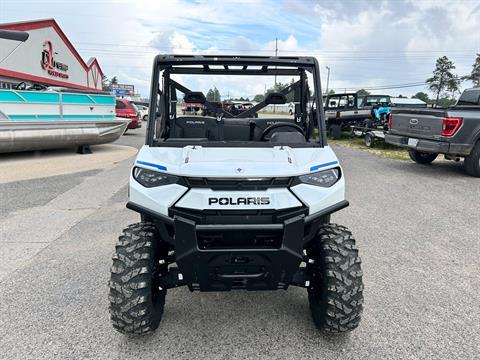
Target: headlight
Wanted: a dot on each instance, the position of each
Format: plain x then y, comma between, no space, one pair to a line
151,178
324,178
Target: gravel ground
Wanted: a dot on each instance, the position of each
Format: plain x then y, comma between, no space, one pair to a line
417,229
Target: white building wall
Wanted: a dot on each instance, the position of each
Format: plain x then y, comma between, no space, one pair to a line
27,59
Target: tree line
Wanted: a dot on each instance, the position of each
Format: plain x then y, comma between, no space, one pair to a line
444,83
213,95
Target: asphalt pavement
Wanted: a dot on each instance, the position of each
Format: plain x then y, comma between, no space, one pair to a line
417,228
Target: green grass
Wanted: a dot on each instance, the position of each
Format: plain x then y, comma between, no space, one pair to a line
380,149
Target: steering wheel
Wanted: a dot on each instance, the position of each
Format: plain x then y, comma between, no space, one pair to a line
21,86
281,124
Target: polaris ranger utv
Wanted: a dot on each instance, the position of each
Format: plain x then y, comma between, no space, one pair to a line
234,201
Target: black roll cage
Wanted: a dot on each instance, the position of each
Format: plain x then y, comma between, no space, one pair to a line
229,65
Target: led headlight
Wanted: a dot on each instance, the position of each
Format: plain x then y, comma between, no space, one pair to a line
324,178
151,178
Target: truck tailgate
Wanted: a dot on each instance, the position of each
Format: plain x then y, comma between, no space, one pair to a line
424,124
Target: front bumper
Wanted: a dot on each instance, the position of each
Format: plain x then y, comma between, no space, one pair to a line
226,268
430,146
215,256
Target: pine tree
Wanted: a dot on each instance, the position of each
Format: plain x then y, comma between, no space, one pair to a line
475,74
216,95
443,78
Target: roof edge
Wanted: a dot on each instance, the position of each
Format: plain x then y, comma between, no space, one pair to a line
43,23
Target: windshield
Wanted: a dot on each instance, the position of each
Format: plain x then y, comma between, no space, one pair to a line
341,101
470,97
236,105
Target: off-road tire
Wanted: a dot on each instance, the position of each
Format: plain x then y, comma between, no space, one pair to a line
421,157
369,140
472,161
335,131
136,302
335,292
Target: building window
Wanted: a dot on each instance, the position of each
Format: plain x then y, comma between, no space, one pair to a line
7,85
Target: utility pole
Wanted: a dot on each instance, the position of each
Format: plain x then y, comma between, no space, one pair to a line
328,77
276,54
275,86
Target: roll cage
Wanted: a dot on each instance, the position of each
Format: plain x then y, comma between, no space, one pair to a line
163,91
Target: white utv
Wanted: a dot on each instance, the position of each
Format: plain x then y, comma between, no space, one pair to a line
235,201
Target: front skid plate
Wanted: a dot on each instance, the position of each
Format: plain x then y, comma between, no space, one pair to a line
238,268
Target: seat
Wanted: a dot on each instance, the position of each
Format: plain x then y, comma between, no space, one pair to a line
286,137
196,127
237,129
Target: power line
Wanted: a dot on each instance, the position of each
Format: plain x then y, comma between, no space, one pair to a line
330,55
382,87
330,58
291,51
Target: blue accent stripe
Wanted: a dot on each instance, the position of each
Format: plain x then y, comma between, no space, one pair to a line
88,116
316,167
39,97
9,96
22,117
60,118
103,99
76,99
53,98
159,167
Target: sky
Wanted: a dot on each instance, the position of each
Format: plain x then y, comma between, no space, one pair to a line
377,45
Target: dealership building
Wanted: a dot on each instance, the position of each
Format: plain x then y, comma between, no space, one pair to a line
47,57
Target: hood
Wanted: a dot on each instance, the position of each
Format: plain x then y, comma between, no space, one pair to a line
236,162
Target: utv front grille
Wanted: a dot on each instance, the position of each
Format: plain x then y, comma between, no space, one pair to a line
269,216
238,184
264,239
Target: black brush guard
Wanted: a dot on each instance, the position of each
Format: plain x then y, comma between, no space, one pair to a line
265,267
